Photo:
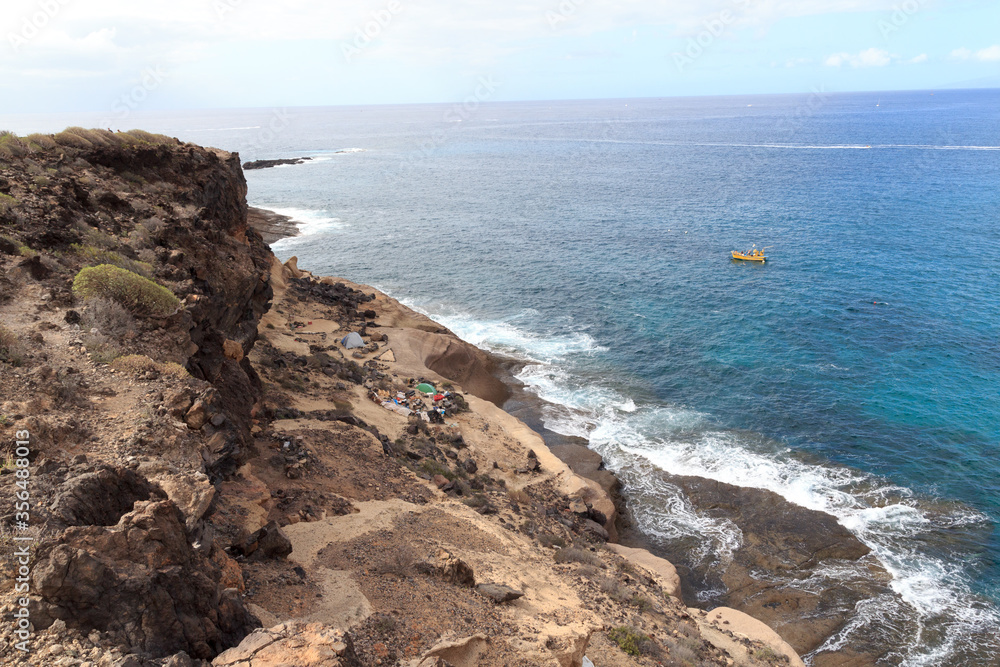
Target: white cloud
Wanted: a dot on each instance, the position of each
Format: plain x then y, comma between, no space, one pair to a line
922,58
872,57
989,54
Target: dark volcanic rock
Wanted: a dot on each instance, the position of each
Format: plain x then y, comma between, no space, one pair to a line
783,545
267,164
270,225
100,498
142,583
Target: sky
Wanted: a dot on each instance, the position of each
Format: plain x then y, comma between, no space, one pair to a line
110,55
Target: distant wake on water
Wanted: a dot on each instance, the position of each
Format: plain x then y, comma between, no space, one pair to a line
771,145
939,619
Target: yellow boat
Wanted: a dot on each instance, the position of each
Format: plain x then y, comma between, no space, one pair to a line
752,255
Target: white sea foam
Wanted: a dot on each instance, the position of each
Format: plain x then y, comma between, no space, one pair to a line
309,222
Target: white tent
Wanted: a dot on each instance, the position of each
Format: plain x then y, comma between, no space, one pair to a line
352,340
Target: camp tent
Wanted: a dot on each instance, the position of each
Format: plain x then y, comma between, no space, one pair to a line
352,340
425,388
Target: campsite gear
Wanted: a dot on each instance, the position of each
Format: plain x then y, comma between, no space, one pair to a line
438,397
352,340
752,255
425,388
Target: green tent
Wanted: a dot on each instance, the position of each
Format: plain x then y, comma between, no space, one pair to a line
425,388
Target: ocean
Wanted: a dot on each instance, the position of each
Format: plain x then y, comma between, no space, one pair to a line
856,372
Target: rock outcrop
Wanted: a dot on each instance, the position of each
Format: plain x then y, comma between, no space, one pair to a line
783,545
141,583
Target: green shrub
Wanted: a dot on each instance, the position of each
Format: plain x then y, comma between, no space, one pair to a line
139,295
628,639
11,146
141,137
40,143
71,140
432,467
10,347
6,202
96,256
94,137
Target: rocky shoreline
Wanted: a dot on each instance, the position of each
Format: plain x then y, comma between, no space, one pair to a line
216,480
786,543
270,225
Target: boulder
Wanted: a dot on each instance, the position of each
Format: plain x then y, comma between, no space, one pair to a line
140,582
192,492
499,593
197,415
449,567
293,643
268,542
232,350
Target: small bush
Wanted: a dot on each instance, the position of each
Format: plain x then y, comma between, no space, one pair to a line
139,295
640,602
135,363
614,589
432,467
477,500
42,181
10,347
547,540
11,146
71,140
109,318
140,137
174,369
140,363
384,624
96,256
519,496
768,655
628,639
574,555
103,350
40,143
682,652
6,202
461,405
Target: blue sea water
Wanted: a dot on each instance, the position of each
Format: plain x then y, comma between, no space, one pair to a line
856,372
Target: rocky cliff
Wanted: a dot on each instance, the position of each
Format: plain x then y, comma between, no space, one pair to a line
213,478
